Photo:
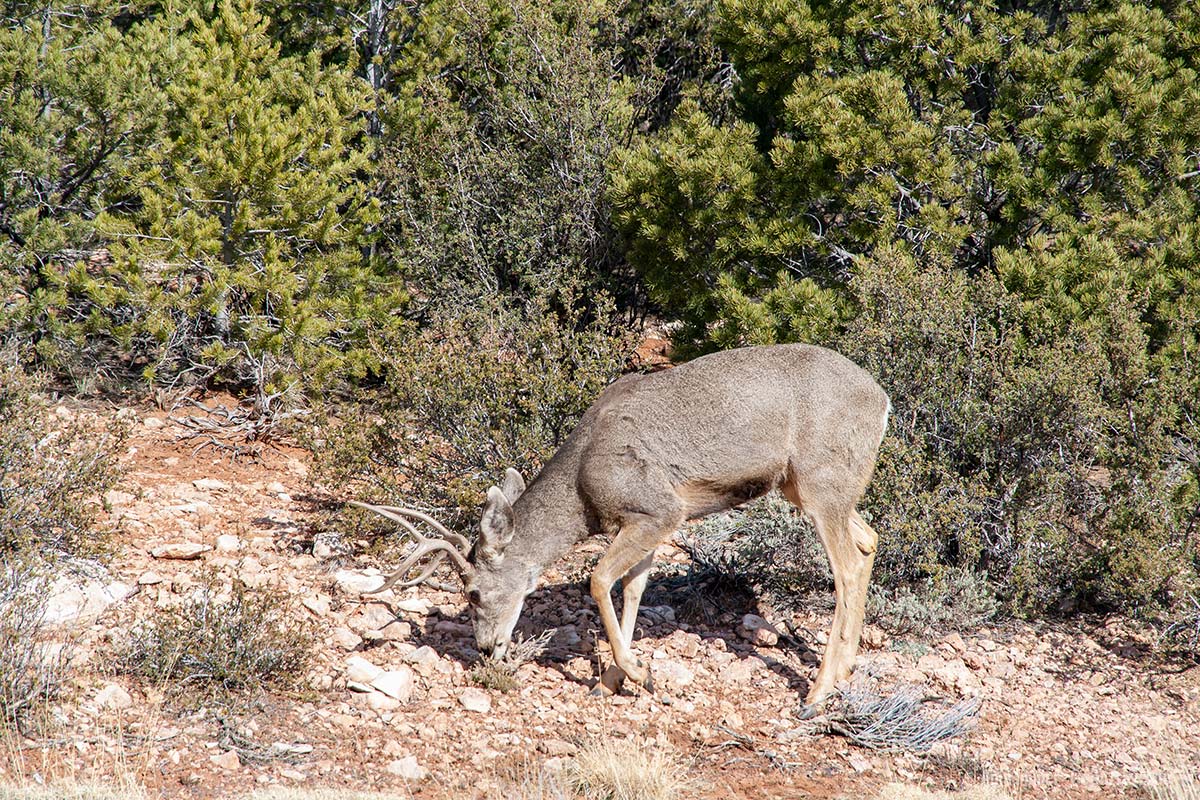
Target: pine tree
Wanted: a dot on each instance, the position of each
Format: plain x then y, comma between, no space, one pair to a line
247,257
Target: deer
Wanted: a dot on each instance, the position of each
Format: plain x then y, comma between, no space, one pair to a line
656,450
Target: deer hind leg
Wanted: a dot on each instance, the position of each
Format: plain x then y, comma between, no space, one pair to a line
629,555
850,545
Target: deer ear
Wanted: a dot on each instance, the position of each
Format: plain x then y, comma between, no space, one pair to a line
496,526
513,485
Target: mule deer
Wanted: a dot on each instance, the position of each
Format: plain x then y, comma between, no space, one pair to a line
659,449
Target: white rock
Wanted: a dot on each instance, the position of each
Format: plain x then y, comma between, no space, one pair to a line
475,700
228,543
275,487
757,630
227,760
360,670
407,768
71,599
423,657
152,422
149,578
372,617
396,683
180,551
113,696
345,638
317,604
353,581
211,485
413,605
322,550
377,701
673,673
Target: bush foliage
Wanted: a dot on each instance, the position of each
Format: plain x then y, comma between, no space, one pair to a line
453,210
227,638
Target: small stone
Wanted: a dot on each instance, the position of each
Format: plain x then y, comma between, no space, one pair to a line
396,683
360,670
740,672
317,604
322,550
859,763
153,422
377,701
355,582
407,768
293,775
227,760
275,487
345,638
117,498
557,748
757,630
672,673
228,543
372,617
211,485
475,700
180,551
113,696
149,578
424,659
413,605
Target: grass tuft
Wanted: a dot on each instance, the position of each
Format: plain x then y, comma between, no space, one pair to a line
625,769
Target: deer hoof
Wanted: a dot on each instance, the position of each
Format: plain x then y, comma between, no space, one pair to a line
809,711
610,682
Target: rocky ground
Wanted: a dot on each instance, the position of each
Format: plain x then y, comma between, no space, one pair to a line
1066,712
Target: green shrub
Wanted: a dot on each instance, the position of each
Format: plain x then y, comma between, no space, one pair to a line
466,398
227,638
52,472
1037,449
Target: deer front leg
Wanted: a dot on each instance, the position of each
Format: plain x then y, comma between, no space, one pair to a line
631,553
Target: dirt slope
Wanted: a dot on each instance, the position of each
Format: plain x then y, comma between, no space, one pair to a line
1066,712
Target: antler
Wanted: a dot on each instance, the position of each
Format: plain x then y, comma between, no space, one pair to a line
452,545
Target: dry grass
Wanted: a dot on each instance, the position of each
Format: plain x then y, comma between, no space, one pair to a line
70,790
1178,786
624,769
985,791
319,793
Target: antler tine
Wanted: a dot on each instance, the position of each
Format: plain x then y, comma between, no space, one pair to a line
425,545
457,538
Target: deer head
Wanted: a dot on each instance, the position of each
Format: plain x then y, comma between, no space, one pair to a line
495,586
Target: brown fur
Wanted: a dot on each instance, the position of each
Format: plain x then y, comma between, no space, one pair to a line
656,450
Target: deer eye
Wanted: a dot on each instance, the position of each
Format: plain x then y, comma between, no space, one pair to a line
474,598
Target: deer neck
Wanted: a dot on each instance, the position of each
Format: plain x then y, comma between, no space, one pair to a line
550,517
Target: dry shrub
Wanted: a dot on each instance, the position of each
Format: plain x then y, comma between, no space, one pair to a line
52,473
501,386
900,721
224,638
625,769
500,674
32,668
